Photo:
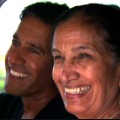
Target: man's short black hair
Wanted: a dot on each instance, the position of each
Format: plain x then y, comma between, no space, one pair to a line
46,11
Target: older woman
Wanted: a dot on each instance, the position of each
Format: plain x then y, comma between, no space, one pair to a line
86,52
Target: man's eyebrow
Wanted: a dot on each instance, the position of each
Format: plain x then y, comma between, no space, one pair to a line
83,47
37,47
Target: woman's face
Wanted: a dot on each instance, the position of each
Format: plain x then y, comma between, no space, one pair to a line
83,73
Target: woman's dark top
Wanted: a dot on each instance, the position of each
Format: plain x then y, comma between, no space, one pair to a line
12,107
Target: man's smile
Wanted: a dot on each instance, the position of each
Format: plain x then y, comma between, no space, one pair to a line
18,74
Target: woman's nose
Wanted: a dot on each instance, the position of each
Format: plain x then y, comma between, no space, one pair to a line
68,73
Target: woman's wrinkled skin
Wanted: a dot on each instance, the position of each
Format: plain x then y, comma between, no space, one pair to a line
84,72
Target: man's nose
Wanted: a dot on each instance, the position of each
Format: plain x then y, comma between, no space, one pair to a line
17,57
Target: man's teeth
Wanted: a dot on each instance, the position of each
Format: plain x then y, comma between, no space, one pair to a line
79,90
18,74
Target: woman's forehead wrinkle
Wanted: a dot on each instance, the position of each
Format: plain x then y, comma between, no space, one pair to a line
82,47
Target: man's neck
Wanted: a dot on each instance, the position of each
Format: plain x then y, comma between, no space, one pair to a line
32,106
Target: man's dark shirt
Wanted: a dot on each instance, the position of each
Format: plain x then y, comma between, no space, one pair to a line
12,107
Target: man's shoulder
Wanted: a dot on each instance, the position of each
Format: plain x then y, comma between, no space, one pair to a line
6,99
9,105
5,95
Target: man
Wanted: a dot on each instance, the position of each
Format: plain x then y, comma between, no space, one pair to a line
29,67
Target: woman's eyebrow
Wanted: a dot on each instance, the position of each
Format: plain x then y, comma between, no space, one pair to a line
82,47
54,50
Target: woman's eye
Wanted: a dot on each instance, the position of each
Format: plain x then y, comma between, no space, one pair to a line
84,56
15,42
58,59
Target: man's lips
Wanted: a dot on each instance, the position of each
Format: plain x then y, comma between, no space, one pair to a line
18,74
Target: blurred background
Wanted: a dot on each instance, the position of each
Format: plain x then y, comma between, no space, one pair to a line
9,20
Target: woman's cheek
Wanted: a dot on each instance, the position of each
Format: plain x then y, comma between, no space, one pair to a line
56,74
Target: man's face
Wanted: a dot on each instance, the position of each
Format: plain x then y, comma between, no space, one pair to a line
28,61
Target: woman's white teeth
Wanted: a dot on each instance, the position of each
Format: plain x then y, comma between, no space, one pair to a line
79,90
18,74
